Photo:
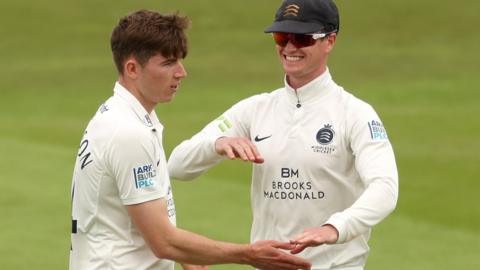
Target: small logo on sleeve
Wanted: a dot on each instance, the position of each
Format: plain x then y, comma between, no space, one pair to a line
224,123
144,176
377,131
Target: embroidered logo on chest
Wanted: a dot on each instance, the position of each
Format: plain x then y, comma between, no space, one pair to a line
324,137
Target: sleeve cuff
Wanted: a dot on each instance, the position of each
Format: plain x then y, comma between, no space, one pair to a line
144,198
339,220
211,142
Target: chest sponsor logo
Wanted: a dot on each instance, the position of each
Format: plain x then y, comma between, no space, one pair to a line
377,131
324,137
144,176
291,185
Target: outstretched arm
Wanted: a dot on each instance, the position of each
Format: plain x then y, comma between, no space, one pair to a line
228,136
169,242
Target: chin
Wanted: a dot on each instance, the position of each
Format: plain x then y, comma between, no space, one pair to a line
167,99
292,72
291,69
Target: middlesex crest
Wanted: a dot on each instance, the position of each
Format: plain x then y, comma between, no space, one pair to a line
325,137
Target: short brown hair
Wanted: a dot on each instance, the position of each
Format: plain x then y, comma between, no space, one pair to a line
143,34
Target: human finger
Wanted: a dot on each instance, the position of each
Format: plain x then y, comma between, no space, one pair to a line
283,266
194,267
282,245
240,151
299,238
257,157
298,248
259,160
250,150
229,152
296,262
248,147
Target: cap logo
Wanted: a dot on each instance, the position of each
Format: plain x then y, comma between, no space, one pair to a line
291,10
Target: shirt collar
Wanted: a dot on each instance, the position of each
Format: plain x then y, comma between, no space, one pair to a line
147,119
312,91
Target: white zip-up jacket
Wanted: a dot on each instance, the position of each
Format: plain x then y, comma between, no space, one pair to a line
328,160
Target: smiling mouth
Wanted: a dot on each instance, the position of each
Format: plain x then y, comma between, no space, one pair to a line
292,58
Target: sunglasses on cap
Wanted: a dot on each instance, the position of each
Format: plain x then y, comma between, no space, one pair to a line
298,40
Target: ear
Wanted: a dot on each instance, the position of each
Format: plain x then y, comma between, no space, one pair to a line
131,68
331,39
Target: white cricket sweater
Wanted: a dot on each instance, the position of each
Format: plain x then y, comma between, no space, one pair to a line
328,160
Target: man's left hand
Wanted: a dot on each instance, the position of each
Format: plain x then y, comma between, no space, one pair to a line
327,234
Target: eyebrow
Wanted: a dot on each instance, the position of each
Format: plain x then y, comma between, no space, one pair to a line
169,60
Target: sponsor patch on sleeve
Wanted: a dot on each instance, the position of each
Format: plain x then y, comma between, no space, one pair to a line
377,131
144,176
224,123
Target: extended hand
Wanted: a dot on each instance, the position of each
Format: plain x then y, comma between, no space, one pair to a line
327,234
267,255
194,267
238,147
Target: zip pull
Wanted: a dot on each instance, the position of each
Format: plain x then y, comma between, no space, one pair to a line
298,100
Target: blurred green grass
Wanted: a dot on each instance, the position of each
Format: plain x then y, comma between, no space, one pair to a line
416,62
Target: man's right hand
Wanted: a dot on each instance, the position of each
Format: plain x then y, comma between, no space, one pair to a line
238,147
266,255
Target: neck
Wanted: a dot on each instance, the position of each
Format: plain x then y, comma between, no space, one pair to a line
135,91
298,81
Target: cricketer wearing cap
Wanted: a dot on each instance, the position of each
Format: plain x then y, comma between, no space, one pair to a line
123,214
324,170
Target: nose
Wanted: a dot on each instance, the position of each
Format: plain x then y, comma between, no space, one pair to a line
181,72
289,47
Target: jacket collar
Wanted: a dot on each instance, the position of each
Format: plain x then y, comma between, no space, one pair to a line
312,91
147,119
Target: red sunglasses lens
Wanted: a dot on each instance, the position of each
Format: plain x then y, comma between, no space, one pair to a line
298,40
281,39
303,40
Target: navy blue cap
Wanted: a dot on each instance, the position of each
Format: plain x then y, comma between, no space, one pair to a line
306,17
